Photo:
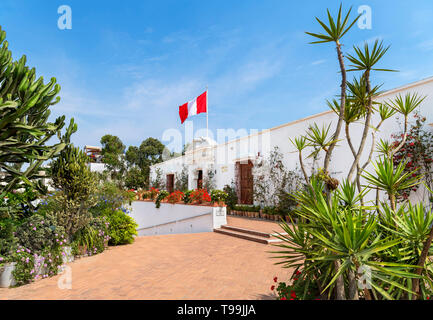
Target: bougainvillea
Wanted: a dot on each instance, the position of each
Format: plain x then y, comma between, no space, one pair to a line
417,151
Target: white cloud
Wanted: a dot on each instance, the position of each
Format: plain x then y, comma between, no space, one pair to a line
317,62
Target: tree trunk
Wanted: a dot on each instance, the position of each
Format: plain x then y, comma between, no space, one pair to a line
393,152
353,286
421,262
355,163
303,168
392,201
339,284
342,105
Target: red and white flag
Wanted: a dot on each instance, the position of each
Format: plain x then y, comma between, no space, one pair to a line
191,108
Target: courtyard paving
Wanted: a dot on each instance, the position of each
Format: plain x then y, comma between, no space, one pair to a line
184,266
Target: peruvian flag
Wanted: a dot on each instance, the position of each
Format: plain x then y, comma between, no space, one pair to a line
191,108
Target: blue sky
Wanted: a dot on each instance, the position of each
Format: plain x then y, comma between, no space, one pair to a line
126,66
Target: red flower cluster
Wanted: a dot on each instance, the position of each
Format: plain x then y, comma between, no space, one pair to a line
153,192
175,196
200,196
417,151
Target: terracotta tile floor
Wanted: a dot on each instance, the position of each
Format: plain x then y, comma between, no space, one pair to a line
184,266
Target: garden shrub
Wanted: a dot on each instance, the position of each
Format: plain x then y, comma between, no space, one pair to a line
72,176
92,238
232,197
111,197
19,204
39,232
32,266
8,240
218,196
301,288
187,196
247,208
122,228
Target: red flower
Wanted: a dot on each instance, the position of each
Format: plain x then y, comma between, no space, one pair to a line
272,288
295,279
284,298
275,279
293,294
297,272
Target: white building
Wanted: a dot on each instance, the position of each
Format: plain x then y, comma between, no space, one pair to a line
233,161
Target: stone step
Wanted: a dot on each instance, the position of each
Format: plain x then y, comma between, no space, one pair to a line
246,236
253,232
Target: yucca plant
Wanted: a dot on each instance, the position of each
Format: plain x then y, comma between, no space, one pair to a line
333,231
334,32
337,232
390,179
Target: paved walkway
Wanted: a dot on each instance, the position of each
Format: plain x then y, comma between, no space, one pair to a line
184,266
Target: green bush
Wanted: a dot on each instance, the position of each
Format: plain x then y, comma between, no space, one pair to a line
72,176
8,241
247,208
122,228
232,198
110,198
39,232
187,197
93,237
161,196
218,196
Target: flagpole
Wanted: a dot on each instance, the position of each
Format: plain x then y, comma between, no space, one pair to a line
207,113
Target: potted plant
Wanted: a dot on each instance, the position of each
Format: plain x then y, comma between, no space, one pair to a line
218,197
6,274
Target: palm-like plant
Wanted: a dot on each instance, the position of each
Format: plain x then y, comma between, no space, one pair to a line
332,231
333,32
390,179
405,106
300,143
319,138
365,61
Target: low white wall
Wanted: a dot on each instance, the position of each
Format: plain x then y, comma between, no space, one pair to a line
176,218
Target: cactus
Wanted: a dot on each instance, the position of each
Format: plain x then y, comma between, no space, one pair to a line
24,128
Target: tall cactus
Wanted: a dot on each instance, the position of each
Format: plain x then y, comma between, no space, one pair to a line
24,128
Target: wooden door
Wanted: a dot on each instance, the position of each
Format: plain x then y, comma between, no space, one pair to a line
246,182
200,179
170,183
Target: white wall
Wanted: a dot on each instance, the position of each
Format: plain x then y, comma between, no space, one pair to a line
176,218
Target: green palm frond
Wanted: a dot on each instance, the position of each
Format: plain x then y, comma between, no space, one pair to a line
367,58
405,105
335,29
